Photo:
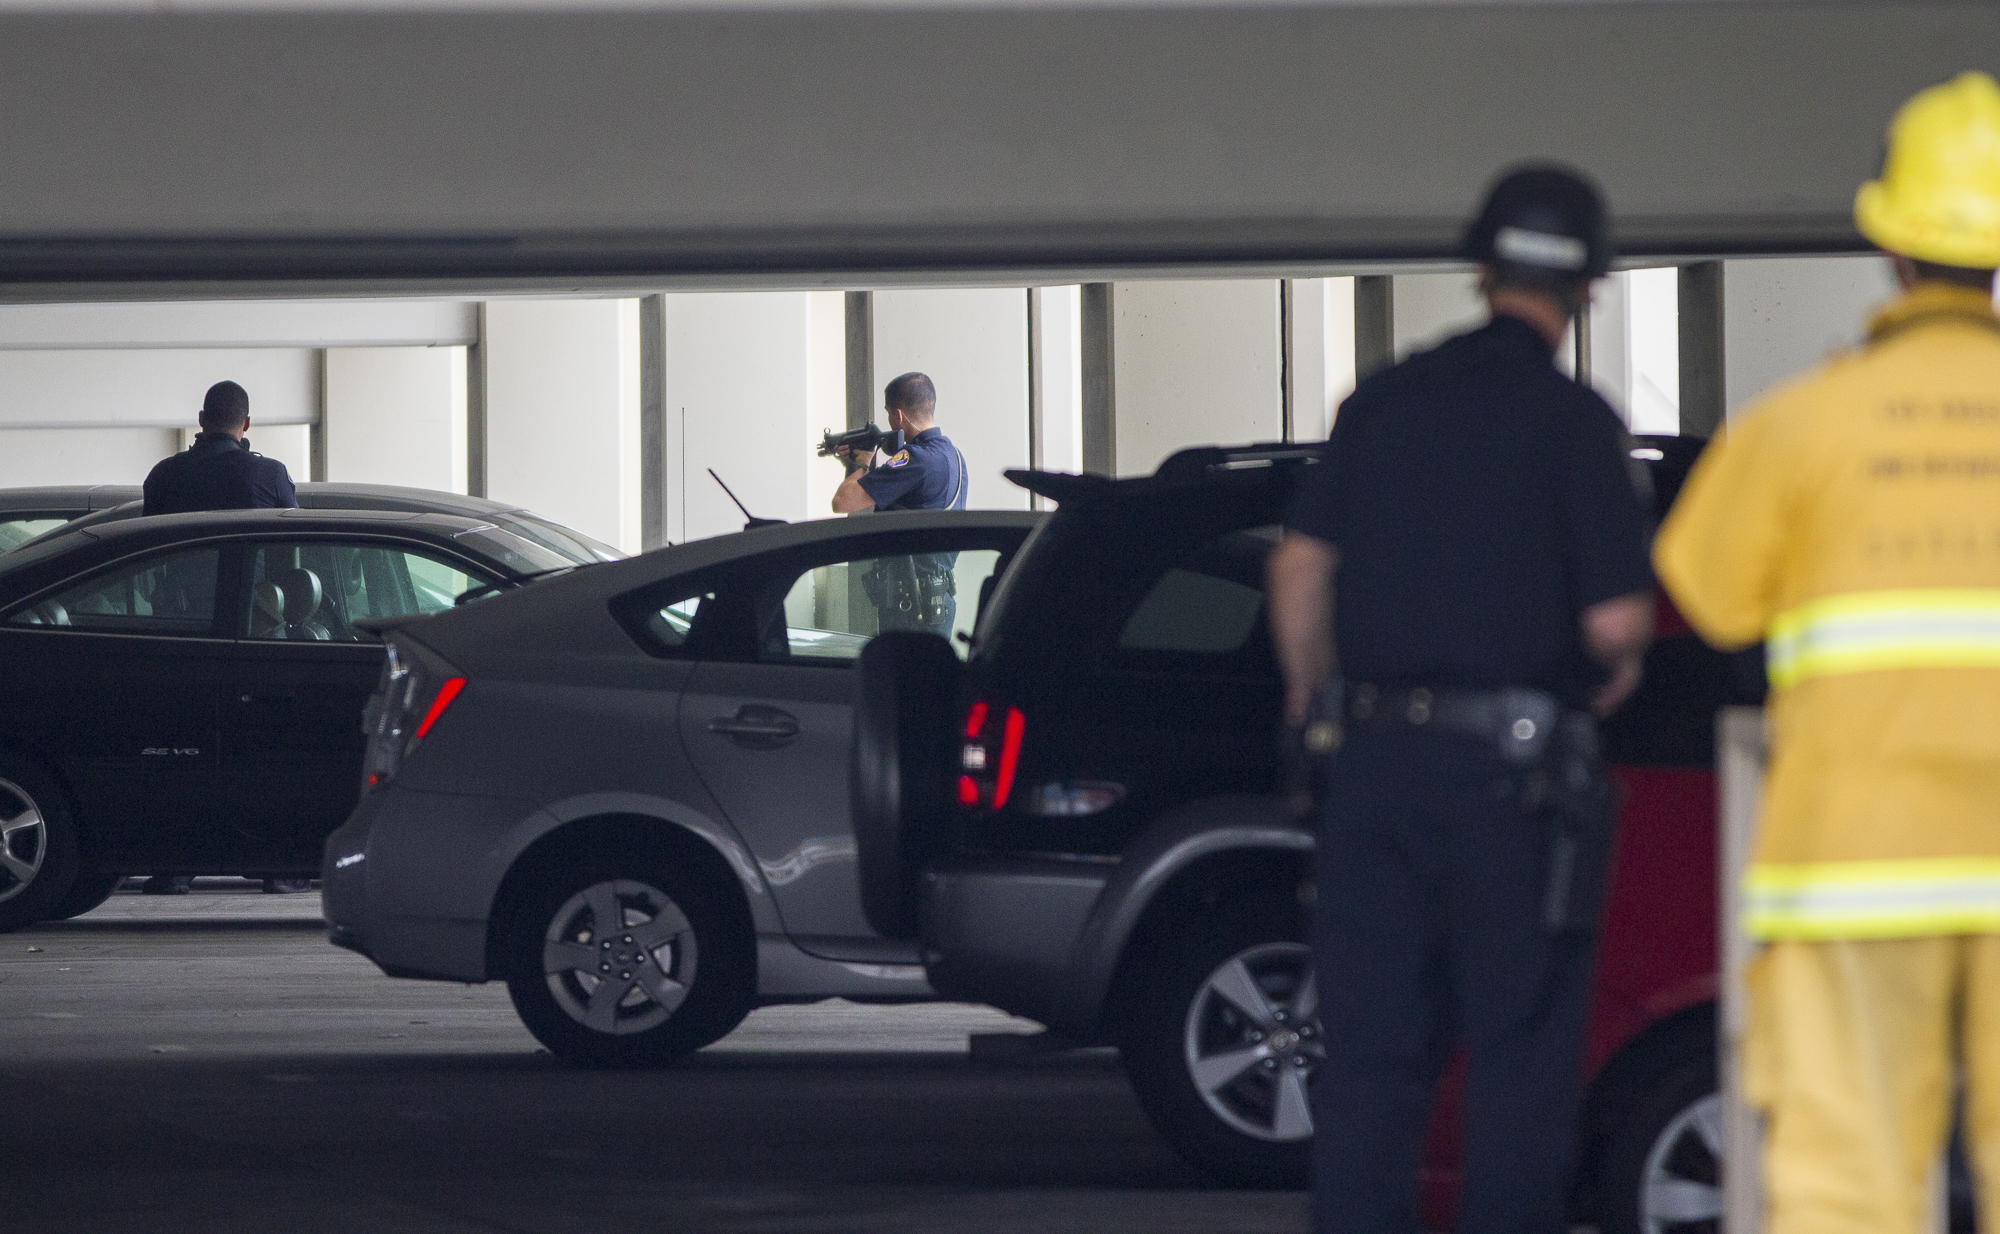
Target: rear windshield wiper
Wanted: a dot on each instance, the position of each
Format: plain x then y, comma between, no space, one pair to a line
473,593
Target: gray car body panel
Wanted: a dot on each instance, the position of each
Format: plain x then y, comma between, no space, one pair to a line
564,718
1024,922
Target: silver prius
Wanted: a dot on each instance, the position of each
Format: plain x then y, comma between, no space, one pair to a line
624,790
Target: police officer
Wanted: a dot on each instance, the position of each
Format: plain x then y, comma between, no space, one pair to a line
219,471
1474,514
917,592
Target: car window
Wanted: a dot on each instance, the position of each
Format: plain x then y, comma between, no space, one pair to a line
1211,603
671,623
570,543
829,612
15,532
171,593
315,591
520,556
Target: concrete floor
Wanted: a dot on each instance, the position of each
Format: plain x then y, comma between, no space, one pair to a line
209,1063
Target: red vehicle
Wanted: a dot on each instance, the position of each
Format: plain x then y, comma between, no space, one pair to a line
1084,825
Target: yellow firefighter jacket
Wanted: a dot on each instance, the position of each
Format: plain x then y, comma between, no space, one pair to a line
1851,519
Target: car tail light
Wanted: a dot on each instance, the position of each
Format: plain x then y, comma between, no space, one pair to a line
412,695
990,759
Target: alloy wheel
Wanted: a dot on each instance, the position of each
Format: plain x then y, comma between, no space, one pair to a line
24,839
1252,1040
619,956
1680,1189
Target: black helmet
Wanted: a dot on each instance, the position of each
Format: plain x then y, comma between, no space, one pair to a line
1545,220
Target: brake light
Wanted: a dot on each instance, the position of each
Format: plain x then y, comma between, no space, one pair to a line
1010,756
447,692
989,761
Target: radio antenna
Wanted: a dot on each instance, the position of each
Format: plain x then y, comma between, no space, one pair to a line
750,520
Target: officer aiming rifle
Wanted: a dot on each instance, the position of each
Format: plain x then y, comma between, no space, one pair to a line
923,471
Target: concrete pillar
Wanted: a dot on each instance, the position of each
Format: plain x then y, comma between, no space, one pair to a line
1702,357
1374,323
858,322
1194,363
974,345
1782,316
562,412
1055,317
1098,338
395,415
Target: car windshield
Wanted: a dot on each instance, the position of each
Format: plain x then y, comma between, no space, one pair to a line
571,543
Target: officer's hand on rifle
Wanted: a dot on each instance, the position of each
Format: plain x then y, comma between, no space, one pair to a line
846,455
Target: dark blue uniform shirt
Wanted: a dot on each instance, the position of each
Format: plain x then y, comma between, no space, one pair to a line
218,472
926,474
1480,500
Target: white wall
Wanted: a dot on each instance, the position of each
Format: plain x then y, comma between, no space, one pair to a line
974,346
738,399
1322,372
826,394
1781,316
1429,308
30,457
395,415
1060,323
1653,350
1195,363
562,412
238,323
156,388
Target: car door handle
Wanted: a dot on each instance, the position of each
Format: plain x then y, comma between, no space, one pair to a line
268,698
757,726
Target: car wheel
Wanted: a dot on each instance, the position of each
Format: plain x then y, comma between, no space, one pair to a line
628,964
38,850
1220,1039
1662,1167
88,890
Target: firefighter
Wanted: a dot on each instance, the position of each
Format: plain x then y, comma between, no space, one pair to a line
1851,520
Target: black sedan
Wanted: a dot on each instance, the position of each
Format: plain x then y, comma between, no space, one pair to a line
182,695
26,513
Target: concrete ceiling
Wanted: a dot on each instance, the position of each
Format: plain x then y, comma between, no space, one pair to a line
236,152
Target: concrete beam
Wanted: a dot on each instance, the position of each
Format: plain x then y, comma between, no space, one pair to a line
631,149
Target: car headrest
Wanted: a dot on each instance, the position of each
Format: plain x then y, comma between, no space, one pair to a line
267,607
301,594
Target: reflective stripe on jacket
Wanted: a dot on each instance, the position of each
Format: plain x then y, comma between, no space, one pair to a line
1852,520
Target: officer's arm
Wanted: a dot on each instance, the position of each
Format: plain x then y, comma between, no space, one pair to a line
850,497
1299,576
1616,633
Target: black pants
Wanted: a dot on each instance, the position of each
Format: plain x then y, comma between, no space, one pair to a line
1427,934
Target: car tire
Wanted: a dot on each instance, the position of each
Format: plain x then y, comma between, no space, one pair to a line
1661,1172
87,891
681,970
1186,1026
38,844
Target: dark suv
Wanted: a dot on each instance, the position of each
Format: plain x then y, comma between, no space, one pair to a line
1088,825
